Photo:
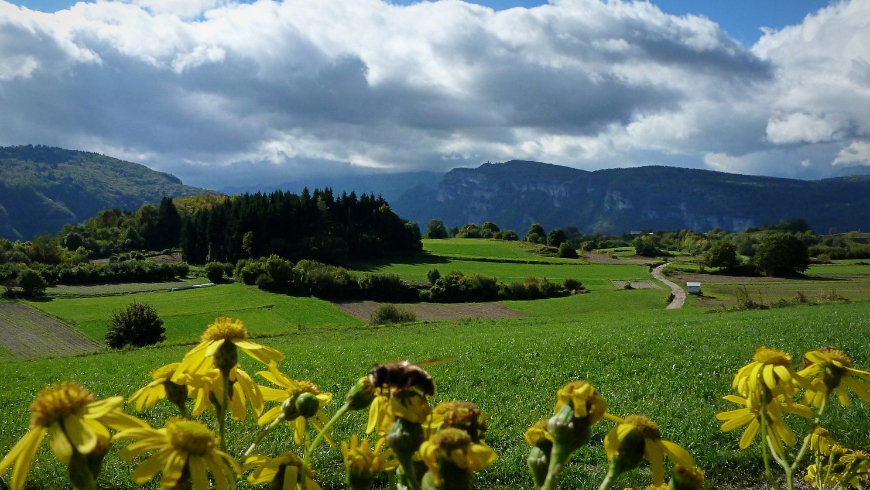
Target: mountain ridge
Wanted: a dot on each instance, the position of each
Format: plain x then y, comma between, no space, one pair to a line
42,188
515,194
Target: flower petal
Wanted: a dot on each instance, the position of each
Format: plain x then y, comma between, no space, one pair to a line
80,434
146,471
198,472
59,444
21,455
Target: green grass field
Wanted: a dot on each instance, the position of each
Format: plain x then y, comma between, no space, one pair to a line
671,365
492,249
674,368
185,313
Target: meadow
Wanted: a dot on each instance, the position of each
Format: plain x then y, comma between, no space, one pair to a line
671,365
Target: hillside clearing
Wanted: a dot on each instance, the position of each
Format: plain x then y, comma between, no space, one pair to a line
28,333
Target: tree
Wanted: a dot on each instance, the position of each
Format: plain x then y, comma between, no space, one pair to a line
168,223
723,255
136,325
782,255
489,225
556,237
436,229
31,282
566,251
536,233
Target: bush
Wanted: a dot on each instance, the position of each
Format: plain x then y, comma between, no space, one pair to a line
379,286
215,272
387,313
433,275
136,325
456,287
566,251
571,284
32,282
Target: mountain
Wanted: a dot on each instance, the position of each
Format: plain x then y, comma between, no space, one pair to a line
42,188
516,194
389,186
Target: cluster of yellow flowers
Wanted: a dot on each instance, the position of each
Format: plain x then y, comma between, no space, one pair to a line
419,446
767,387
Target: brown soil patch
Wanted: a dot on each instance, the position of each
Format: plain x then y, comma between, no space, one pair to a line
435,311
27,333
636,284
594,258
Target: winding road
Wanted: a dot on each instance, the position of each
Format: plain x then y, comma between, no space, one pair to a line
679,293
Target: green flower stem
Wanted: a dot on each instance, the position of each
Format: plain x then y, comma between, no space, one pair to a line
553,473
303,473
222,412
608,479
806,445
767,472
262,435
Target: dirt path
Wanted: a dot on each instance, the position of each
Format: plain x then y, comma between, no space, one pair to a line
679,293
27,333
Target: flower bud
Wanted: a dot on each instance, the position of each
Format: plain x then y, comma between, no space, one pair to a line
307,404
226,357
687,478
361,395
175,393
405,437
290,409
539,464
630,453
569,433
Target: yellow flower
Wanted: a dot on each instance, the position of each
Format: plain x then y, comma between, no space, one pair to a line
769,369
585,400
363,462
288,397
637,430
381,415
410,405
223,331
209,385
283,470
821,441
150,394
751,414
538,432
831,370
180,443
455,446
687,478
459,415
74,420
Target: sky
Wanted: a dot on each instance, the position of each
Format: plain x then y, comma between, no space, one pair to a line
228,93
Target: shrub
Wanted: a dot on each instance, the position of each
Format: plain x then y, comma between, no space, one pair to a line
215,272
386,287
324,281
280,270
572,284
137,325
251,271
566,251
433,275
387,313
456,287
265,281
32,282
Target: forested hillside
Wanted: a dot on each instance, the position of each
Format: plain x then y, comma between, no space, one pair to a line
516,194
42,188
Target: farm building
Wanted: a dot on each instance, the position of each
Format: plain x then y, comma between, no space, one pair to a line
693,287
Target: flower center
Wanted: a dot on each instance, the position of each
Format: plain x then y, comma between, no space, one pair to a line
225,329
190,437
645,426
56,402
450,439
772,356
837,356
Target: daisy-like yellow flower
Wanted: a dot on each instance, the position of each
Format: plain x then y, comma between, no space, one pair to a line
770,369
454,448
363,462
751,414
75,422
161,387
209,385
585,400
637,435
381,414
821,441
289,397
831,370
282,472
180,444
459,415
218,348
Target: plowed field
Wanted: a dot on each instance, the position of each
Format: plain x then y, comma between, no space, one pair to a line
27,333
433,312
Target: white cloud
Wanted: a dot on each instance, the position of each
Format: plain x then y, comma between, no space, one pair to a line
857,153
204,88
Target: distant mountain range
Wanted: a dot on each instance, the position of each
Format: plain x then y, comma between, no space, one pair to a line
42,188
516,194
